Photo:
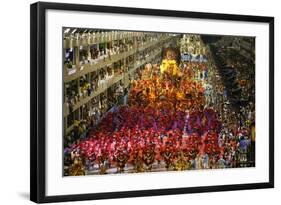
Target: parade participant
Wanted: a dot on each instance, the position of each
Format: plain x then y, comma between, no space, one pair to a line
76,168
121,157
148,155
181,162
205,161
221,162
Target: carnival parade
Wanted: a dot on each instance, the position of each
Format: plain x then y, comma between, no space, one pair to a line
175,112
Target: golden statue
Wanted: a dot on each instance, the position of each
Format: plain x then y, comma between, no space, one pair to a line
170,67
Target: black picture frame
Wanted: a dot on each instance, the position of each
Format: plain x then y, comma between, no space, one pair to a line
38,100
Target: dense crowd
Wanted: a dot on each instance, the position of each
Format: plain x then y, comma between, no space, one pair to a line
177,118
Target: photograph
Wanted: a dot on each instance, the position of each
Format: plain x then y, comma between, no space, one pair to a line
136,102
